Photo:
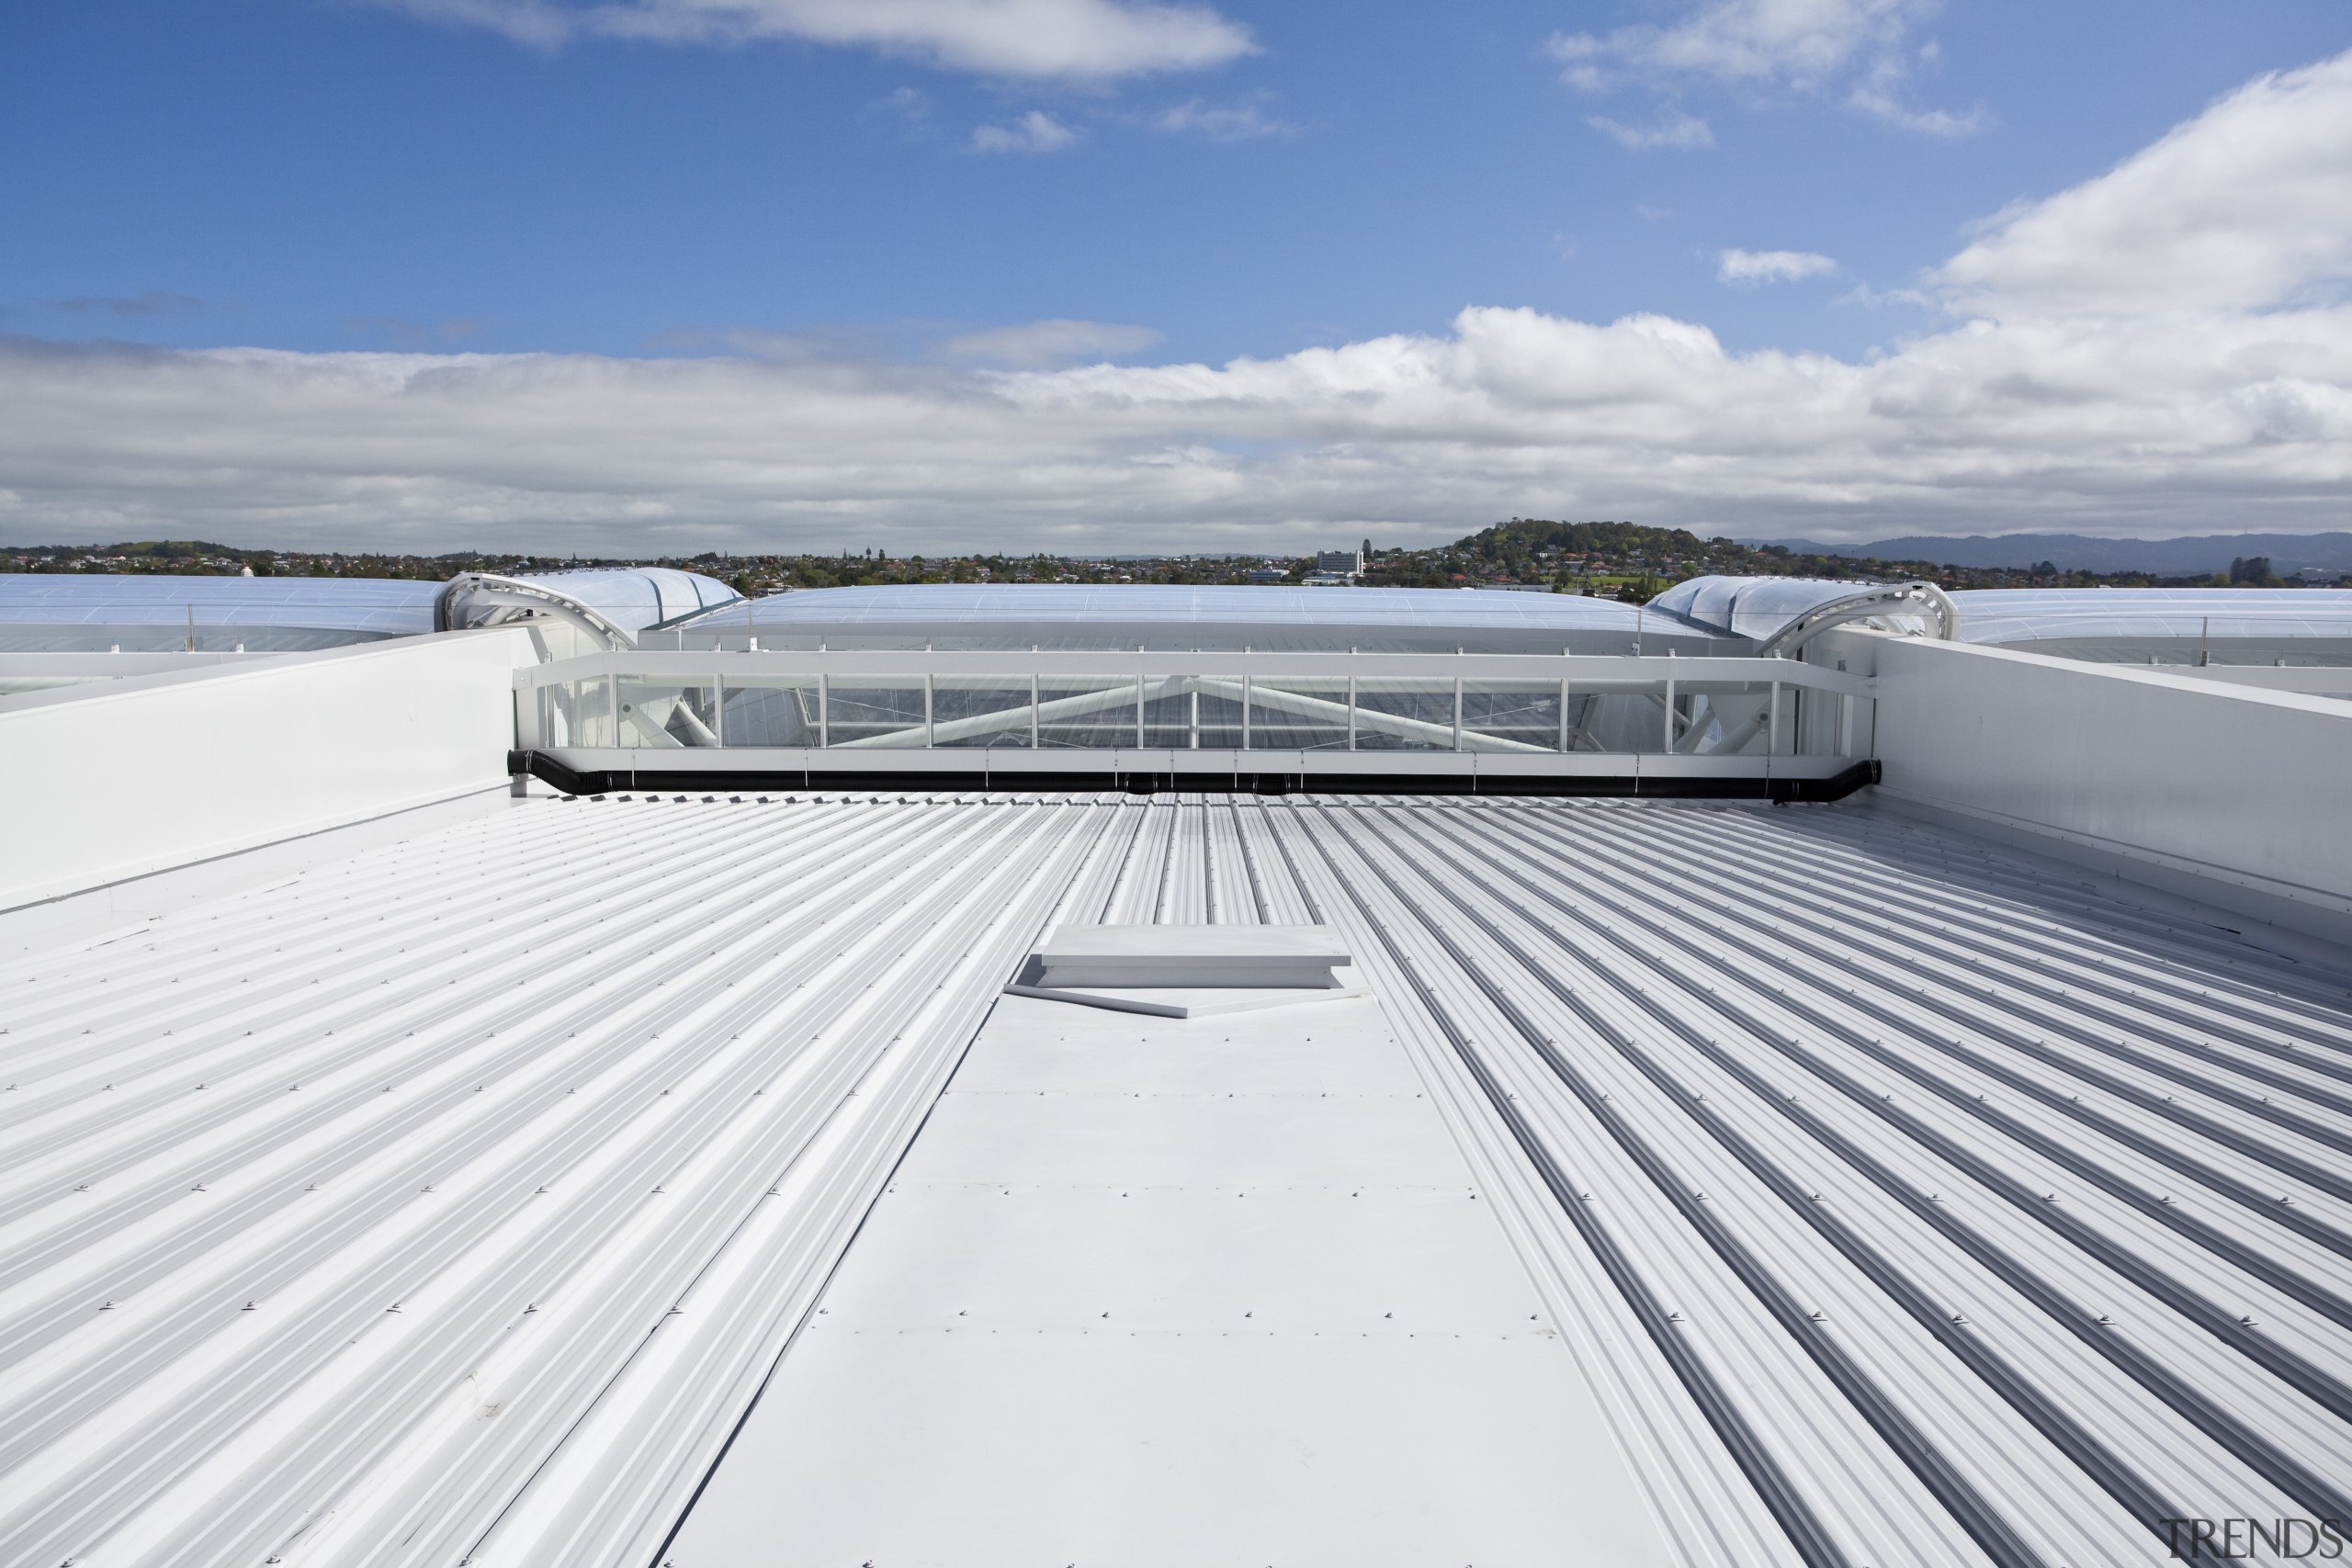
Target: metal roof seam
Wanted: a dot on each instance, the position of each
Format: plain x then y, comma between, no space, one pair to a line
2304,1378
1761,1486
982,960
1651,1179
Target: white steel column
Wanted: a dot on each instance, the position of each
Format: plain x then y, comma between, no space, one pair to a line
1772,746
1138,713
927,683
824,711
1457,712
1245,712
1032,713
1351,713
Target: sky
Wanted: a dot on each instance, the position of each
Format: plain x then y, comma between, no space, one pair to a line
640,276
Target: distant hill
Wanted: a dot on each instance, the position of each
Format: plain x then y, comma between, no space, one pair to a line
2080,552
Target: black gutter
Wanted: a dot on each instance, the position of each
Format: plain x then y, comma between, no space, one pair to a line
572,781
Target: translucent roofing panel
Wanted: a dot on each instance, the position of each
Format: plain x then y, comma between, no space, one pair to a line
2122,615
371,606
634,598
1754,607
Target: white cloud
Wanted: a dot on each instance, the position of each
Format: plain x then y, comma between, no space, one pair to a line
2247,205
1036,344
1241,121
1033,38
1672,128
909,107
1748,268
1880,94
2129,370
1869,298
1035,131
1785,46
1795,43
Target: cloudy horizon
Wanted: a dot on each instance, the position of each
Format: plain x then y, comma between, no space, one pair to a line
2158,349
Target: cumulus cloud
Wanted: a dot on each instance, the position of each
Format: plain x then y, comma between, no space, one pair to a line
1035,131
1034,38
2106,364
2248,204
1672,128
1747,269
1036,345
1780,46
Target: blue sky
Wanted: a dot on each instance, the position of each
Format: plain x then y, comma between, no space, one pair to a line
896,211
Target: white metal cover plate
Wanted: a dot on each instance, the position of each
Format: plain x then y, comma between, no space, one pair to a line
1159,1292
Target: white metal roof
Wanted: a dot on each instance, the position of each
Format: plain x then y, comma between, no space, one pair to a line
1211,616
58,610
1892,1200
2015,617
46,609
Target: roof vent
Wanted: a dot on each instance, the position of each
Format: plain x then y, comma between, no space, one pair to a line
1187,971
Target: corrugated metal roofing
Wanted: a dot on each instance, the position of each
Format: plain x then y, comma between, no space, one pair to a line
1904,1201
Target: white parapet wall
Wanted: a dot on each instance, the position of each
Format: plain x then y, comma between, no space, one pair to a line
2223,793
102,784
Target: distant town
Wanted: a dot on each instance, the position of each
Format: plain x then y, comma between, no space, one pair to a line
1622,560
